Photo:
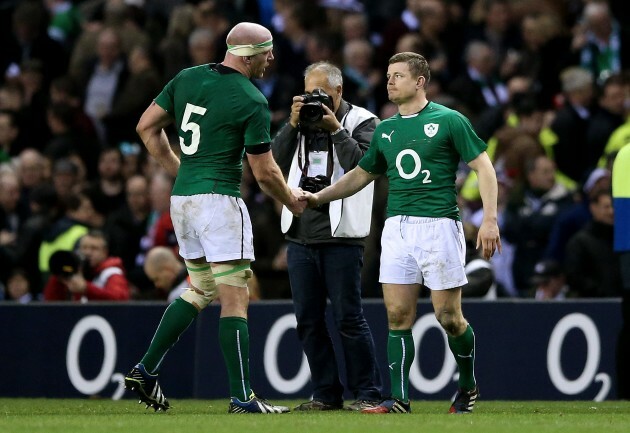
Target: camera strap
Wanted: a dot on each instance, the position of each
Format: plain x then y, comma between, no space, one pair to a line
304,159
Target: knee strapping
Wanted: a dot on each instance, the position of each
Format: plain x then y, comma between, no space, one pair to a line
204,288
233,274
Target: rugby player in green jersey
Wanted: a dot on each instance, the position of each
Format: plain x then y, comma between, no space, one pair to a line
419,149
220,116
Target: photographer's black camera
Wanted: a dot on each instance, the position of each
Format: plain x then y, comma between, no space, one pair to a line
312,110
314,184
66,263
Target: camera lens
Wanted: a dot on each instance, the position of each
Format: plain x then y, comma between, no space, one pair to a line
311,112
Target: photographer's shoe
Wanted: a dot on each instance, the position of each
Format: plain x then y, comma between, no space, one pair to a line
147,388
315,405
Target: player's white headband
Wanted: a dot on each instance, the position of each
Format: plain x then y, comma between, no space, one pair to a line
250,49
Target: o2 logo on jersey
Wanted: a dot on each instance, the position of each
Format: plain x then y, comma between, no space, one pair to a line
187,125
417,167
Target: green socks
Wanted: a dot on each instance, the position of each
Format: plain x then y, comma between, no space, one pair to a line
463,348
234,341
400,353
176,319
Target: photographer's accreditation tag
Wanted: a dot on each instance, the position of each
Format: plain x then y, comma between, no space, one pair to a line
318,163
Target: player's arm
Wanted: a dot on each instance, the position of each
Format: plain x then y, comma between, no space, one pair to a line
271,181
488,237
151,130
350,183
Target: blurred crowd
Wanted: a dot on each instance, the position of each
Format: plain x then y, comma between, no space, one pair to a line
546,83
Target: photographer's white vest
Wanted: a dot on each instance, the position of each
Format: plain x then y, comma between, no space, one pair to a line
349,217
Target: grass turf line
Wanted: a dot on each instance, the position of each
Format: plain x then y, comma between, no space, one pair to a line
126,416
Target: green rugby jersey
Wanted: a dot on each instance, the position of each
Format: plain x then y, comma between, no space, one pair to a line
419,154
216,115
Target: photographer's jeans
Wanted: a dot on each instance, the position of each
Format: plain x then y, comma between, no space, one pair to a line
334,272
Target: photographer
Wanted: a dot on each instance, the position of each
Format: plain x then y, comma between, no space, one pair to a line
324,138
93,277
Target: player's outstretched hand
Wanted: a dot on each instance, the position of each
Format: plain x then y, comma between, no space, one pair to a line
310,199
297,205
488,239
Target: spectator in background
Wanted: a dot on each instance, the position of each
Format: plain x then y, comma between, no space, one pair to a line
117,15
103,77
216,16
65,21
108,189
549,281
530,215
355,26
576,216
66,178
438,40
68,140
571,122
167,273
325,251
479,87
126,226
601,45
100,277
544,54
592,267
32,115
279,88
201,47
497,28
359,75
291,38
29,40
18,287
143,83
620,136
66,231
621,203
173,48
66,90
11,218
395,28
9,133
607,117
44,210
159,229
33,170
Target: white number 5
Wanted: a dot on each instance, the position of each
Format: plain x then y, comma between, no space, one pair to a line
191,126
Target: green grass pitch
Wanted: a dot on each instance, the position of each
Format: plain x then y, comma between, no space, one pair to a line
197,416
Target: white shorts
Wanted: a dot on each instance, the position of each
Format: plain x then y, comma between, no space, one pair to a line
429,251
213,226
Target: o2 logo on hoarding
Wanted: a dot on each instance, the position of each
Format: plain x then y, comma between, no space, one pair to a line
106,373
270,358
593,352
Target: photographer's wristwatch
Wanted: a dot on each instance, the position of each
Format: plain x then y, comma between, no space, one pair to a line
337,131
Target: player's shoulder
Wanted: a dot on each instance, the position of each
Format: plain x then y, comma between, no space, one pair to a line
192,72
388,122
436,109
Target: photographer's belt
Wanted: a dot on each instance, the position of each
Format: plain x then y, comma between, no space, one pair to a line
250,49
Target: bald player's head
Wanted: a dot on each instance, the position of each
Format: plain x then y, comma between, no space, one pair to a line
162,267
249,49
248,33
